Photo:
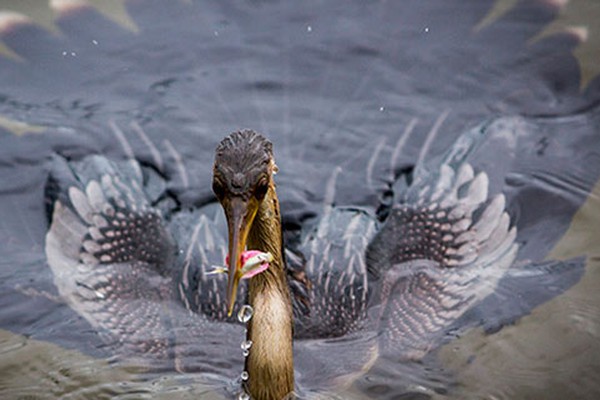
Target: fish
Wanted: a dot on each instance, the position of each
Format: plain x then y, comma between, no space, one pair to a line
253,263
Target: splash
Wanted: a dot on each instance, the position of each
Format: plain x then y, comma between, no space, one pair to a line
246,347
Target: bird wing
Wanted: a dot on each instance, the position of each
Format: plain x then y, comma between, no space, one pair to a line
330,296
444,246
204,233
121,264
331,253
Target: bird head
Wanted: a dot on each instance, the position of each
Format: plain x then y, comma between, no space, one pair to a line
242,175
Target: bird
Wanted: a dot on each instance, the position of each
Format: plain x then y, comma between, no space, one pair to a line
137,266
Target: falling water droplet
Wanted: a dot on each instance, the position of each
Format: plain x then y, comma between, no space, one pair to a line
245,313
246,344
243,396
244,375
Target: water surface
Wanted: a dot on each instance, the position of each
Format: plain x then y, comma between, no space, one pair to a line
333,84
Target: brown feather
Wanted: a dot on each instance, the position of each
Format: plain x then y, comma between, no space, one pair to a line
270,363
244,169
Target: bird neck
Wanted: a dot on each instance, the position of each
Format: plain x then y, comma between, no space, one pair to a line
270,363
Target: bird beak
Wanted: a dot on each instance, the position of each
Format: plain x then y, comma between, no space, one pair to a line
240,213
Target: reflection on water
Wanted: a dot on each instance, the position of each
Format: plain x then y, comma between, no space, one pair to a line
367,88
31,369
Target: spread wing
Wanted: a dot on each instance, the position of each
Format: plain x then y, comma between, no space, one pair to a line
443,248
335,272
129,266
332,300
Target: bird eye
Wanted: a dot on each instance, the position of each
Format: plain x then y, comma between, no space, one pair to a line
261,189
218,189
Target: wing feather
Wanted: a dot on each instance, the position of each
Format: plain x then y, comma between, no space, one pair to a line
444,246
116,261
336,293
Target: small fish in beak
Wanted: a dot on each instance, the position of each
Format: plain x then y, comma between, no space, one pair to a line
253,262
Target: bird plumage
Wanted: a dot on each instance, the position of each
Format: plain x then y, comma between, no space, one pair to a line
136,267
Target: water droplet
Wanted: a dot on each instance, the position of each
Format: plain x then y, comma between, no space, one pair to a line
309,28
381,108
243,396
95,42
245,313
64,53
246,353
244,375
426,30
246,344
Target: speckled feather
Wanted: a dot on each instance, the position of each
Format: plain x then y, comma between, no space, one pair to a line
141,276
333,252
444,247
116,260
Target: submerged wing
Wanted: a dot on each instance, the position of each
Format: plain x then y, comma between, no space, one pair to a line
444,247
116,261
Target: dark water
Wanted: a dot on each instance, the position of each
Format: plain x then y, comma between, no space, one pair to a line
332,84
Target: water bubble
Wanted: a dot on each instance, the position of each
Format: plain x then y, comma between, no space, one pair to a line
246,344
243,396
244,375
245,313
